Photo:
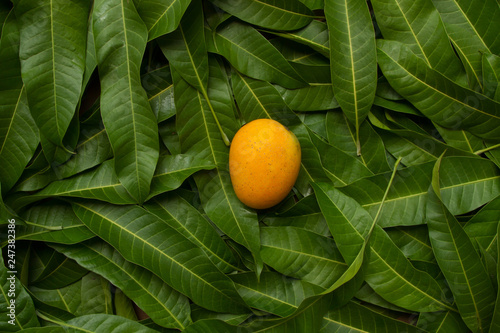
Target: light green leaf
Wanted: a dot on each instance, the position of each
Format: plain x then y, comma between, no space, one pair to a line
120,39
459,262
52,53
160,16
161,249
271,14
353,58
315,97
18,131
163,304
437,97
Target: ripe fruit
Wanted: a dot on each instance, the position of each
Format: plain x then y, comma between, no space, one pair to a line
264,162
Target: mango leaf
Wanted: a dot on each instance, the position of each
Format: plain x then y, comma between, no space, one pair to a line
200,137
100,323
307,318
163,304
302,254
342,134
55,223
120,38
273,292
172,170
483,225
279,15
304,214
161,17
253,55
413,242
438,98
312,98
89,295
188,221
407,198
445,321
18,131
460,264
495,321
175,259
491,75
314,35
471,26
49,269
52,53
399,21
101,184
159,87
93,148
18,311
343,318
211,326
353,59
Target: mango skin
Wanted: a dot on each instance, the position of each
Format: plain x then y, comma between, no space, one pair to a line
264,162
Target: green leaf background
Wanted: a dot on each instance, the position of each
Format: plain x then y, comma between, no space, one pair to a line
117,210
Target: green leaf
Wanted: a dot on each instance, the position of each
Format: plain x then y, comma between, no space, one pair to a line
483,225
101,323
491,75
312,98
472,27
273,292
342,134
188,221
314,35
422,31
440,322
253,55
161,249
163,304
17,308
495,321
438,98
407,198
18,131
159,87
359,318
302,254
93,148
353,58
52,53
413,242
120,38
160,16
459,262
279,15
53,222
89,295
173,170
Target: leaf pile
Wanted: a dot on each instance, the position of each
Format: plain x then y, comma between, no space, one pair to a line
115,123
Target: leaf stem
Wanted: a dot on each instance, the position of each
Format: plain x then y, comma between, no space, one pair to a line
479,152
